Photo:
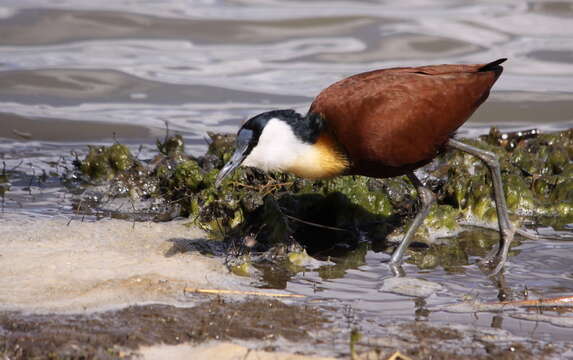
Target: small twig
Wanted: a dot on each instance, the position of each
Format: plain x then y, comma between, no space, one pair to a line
134,212
265,188
247,354
239,292
17,166
315,224
166,122
31,181
236,183
557,301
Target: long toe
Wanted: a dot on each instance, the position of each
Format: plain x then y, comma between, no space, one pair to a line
491,256
531,235
492,266
495,260
397,269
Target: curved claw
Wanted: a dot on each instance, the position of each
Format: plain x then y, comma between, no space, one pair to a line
492,266
496,259
396,269
529,235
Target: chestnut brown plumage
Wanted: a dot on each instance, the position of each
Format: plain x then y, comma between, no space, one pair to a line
393,121
381,123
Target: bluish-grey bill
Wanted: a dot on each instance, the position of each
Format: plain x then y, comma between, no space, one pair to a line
242,149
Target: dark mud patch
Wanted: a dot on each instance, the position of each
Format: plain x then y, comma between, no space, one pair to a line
51,129
424,341
117,334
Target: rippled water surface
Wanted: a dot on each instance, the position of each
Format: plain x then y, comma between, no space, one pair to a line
82,72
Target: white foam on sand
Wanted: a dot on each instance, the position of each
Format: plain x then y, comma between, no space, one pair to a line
47,265
216,350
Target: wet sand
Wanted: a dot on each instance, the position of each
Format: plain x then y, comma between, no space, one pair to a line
104,289
221,351
49,265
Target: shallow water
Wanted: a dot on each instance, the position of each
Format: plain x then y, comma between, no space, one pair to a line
74,73
543,269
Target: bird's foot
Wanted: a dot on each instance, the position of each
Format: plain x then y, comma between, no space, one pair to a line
492,265
528,234
495,260
395,267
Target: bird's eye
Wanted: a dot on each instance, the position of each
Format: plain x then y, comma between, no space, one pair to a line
244,138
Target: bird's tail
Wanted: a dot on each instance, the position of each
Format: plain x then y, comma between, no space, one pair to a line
493,66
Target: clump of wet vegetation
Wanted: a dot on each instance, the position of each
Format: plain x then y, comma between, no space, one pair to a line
537,174
265,217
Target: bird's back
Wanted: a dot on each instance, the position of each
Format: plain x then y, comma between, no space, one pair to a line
392,121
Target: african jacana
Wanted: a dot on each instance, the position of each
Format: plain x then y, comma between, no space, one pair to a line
382,123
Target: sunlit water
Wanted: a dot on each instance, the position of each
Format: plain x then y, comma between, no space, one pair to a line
74,73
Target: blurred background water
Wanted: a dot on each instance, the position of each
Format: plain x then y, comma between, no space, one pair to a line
79,71
75,72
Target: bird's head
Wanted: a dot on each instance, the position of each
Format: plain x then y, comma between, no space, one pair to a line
263,142
283,140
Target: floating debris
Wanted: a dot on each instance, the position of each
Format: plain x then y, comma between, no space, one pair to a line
410,286
510,140
241,292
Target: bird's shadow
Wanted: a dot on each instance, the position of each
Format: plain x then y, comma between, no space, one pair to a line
201,246
326,225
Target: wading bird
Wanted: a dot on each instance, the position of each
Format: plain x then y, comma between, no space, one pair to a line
382,123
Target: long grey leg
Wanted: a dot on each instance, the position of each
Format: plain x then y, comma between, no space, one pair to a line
506,229
428,198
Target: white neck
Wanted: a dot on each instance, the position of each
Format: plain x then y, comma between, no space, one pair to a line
278,148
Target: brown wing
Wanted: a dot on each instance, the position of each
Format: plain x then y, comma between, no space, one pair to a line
392,121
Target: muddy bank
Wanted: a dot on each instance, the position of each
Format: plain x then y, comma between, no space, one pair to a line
118,334
264,328
414,340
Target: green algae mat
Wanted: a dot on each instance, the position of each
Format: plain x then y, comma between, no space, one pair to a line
254,213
